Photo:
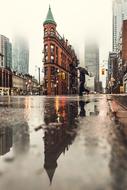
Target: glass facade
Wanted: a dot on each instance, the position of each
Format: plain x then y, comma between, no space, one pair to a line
20,53
119,14
5,52
92,59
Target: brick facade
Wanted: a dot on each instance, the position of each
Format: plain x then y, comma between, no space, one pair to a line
124,41
60,62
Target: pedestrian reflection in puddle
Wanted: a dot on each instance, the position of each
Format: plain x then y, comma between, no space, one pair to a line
82,108
88,108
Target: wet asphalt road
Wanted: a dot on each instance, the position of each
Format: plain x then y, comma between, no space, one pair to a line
61,143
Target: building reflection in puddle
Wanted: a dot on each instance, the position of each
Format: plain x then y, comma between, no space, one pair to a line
6,141
60,132
118,162
21,138
16,136
14,128
89,109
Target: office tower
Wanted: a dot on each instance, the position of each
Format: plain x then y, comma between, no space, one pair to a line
119,14
5,52
20,55
92,59
92,65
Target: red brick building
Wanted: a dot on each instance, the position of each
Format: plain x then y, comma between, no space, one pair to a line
124,54
124,41
60,61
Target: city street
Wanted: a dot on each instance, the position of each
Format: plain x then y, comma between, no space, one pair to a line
61,143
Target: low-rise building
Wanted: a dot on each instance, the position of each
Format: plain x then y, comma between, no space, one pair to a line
24,84
5,81
18,84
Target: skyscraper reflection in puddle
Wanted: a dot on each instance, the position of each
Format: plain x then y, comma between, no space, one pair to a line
5,140
14,128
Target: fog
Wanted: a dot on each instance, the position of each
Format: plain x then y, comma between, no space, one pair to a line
77,20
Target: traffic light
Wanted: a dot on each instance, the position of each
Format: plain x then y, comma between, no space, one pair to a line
103,71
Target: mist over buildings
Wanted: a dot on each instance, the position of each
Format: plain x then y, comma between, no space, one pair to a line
77,21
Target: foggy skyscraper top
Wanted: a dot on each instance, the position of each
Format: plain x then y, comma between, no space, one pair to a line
20,54
92,58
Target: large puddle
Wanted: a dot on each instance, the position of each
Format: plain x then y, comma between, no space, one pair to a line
60,143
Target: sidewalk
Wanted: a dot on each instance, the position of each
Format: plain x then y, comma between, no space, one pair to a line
118,106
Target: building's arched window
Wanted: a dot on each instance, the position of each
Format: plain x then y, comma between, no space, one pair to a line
52,70
52,32
45,32
52,47
46,58
56,55
46,48
52,59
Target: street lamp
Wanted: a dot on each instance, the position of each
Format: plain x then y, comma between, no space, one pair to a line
39,76
26,87
30,87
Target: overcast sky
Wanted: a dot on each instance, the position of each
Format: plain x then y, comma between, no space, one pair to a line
76,20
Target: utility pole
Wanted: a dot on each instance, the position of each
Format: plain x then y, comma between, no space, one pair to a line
39,78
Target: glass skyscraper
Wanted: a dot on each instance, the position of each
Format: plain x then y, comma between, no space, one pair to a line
92,59
119,14
92,65
6,52
20,54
